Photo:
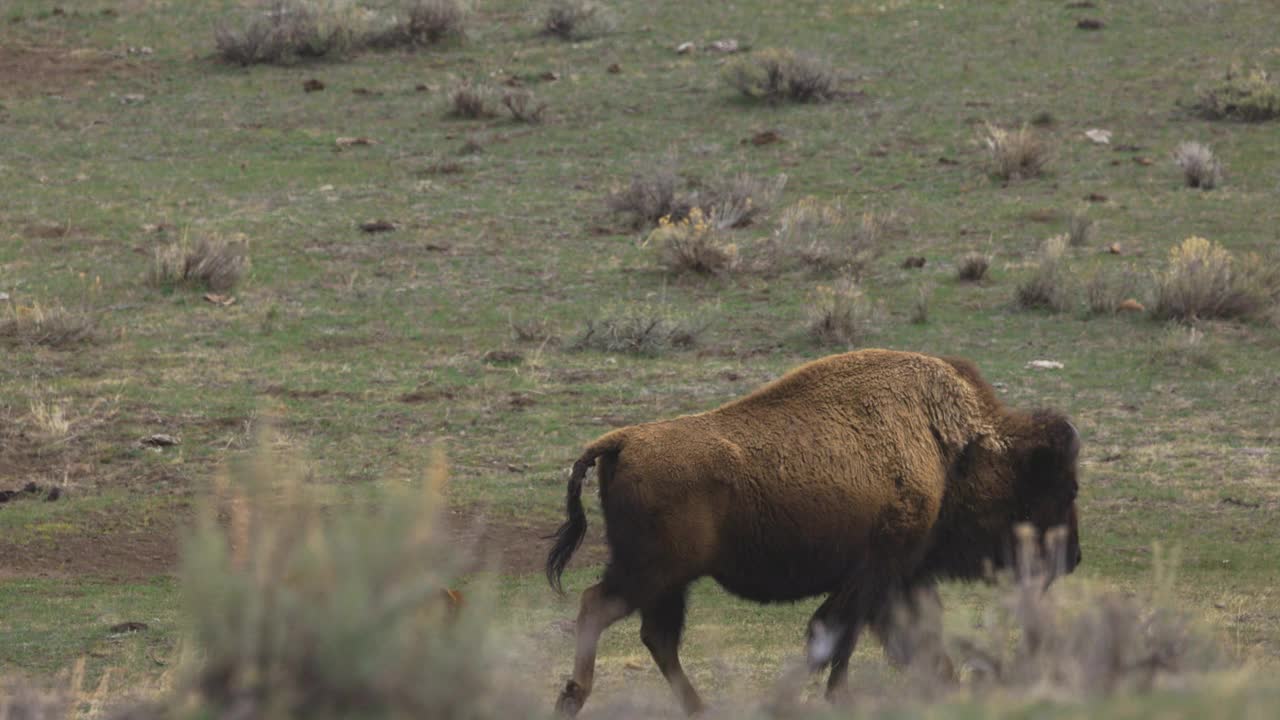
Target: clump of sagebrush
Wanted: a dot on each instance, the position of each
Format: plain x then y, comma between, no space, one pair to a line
1243,94
1181,346
422,23
1202,281
470,102
738,200
1107,290
693,244
1080,229
840,314
826,237
1200,168
212,263
1075,643
973,267
524,107
285,32
651,195
578,19
54,327
776,75
298,609
1048,286
640,329
531,329
1015,154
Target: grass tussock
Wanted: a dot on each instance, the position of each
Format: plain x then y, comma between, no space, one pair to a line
1015,154
640,329
54,327
212,263
470,102
1106,291
651,195
302,610
1200,167
1202,280
1048,287
524,107
973,267
739,200
840,314
777,75
920,305
286,32
1080,230
1247,95
422,23
826,237
576,20
1183,347
694,244
727,202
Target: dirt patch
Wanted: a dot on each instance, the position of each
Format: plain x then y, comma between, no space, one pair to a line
515,546
96,550
27,71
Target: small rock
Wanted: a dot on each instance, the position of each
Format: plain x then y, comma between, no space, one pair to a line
1099,136
1144,160
132,98
764,137
685,48
1090,24
614,68
549,76
503,357
160,440
728,45
377,226
1131,305
144,50
422,87
313,85
1045,365
219,300
4,297
55,493
917,261
632,665
131,626
1095,197
1114,249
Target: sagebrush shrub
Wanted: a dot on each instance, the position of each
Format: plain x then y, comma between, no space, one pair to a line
55,326
524,107
470,102
973,267
651,195
1015,154
840,314
694,244
1048,285
578,19
739,200
1249,95
640,329
776,75
1202,281
827,237
422,23
212,263
287,31
1108,289
1200,168
1080,229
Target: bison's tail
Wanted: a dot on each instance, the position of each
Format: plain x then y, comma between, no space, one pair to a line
570,534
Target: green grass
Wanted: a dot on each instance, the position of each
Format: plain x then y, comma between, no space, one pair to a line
334,331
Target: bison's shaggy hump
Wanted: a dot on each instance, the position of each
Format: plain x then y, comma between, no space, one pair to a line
864,475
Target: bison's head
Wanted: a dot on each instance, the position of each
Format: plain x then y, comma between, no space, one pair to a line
1045,488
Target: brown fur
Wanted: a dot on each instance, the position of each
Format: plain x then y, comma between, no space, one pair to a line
864,476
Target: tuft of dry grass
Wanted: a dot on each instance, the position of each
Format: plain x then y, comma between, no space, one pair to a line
54,327
49,419
1015,154
920,306
651,195
840,314
422,23
540,330
470,102
1080,229
578,19
1107,290
639,329
1048,286
739,200
212,263
973,267
1202,281
524,107
1183,347
1248,95
285,32
826,237
1200,168
694,244
776,75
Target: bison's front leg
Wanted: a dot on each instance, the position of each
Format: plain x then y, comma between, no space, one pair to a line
598,611
661,626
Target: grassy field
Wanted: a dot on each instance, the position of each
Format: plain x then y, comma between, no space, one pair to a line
120,133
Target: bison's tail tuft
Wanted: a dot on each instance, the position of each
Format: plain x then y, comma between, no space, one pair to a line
569,536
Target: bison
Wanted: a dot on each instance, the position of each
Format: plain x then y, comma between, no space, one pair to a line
866,477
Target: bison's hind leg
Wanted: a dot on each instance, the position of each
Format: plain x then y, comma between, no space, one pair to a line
601,607
662,623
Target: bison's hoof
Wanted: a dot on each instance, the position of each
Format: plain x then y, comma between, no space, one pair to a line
571,698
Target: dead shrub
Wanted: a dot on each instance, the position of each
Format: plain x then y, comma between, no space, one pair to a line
1248,95
470,102
1107,290
524,107
640,329
212,264
650,196
1048,286
422,23
739,200
693,245
1200,168
1015,154
1203,281
578,20
973,267
1183,347
54,327
776,75
840,314
826,237
286,32
539,330
1080,229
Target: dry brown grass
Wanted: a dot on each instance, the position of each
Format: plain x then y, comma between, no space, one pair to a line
826,237
285,32
973,267
470,102
55,327
578,19
524,107
214,264
777,75
1200,168
1183,347
1015,154
1048,287
841,314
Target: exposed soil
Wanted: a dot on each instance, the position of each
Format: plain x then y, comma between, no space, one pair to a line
32,70
517,547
